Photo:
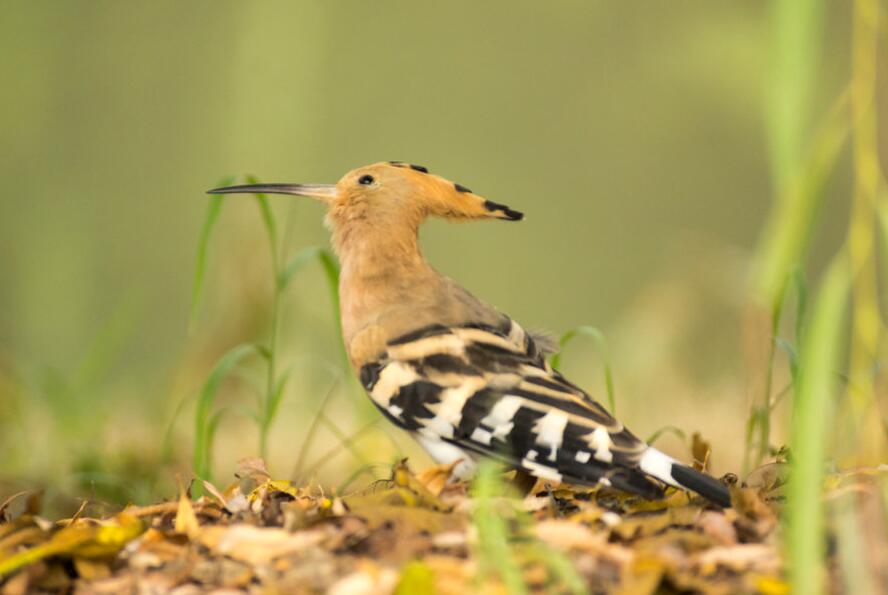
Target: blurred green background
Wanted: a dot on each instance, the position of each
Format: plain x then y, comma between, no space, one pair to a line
632,135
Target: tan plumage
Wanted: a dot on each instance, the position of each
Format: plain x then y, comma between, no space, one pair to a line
464,378
387,287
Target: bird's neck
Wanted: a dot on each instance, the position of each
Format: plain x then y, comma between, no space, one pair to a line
382,268
367,250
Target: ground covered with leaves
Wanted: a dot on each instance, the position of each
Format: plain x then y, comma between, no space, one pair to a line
419,533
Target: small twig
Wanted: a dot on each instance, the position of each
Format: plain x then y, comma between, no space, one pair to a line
335,450
312,429
169,508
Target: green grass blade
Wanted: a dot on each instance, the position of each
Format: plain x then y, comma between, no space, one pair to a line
598,337
267,214
760,412
203,418
330,453
506,541
798,30
167,448
760,416
369,469
819,362
115,332
494,550
214,208
882,214
787,232
344,439
331,270
330,266
798,173
675,431
561,569
277,394
212,426
313,428
267,402
800,283
793,357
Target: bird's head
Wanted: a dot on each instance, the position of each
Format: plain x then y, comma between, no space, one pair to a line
389,193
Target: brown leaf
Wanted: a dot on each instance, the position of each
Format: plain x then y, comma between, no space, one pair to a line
27,535
186,520
568,535
84,538
410,518
369,579
92,569
260,545
124,583
701,451
768,478
251,472
6,504
642,577
435,478
215,493
761,558
21,583
753,518
717,525
34,503
412,491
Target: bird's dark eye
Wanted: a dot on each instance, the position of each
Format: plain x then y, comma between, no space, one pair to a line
365,180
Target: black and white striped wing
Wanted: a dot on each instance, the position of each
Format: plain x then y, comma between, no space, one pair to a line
489,391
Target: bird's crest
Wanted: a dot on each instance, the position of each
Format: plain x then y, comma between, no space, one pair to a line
391,191
411,191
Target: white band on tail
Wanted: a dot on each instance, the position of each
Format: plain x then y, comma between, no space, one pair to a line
655,463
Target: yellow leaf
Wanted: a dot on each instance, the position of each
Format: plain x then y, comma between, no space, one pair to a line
186,520
215,493
701,451
416,579
111,537
272,486
769,585
91,570
411,490
261,545
642,577
82,539
435,478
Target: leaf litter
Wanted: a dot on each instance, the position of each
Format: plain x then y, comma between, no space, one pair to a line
419,533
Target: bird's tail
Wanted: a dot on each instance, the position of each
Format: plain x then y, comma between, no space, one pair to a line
669,471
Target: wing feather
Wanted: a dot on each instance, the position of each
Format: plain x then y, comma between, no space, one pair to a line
489,390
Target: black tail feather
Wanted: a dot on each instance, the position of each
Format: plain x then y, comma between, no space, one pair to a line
705,485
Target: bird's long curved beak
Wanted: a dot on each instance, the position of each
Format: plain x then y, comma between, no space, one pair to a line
322,192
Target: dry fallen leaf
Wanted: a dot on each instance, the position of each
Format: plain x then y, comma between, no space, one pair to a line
567,535
435,478
84,538
261,545
368,580
701,451
413,533
186,520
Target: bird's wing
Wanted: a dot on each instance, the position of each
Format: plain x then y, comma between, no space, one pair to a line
489,390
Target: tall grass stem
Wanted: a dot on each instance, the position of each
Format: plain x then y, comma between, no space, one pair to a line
819,364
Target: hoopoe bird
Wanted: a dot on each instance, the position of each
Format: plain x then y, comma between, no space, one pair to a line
464,379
